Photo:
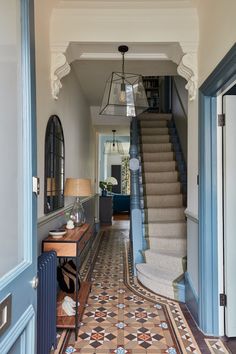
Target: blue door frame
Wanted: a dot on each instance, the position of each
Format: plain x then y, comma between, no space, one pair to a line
223,75
20,335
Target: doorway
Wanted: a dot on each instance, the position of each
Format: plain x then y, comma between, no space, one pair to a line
228,210
209,253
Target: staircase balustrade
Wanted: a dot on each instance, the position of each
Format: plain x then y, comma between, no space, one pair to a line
136,229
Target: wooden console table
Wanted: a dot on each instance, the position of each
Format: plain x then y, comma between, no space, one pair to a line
71,245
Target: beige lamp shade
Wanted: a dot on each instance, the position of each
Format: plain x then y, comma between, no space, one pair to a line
77,187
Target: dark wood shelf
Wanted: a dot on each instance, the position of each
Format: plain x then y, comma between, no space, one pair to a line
69,321
152,88
71,245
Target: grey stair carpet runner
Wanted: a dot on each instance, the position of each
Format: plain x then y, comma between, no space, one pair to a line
164,219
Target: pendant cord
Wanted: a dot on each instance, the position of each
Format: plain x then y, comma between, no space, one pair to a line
123,64
113,138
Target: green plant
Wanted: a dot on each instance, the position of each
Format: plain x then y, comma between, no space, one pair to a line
108,183
103,185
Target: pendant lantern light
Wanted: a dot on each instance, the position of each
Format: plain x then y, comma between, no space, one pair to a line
113,146
124,93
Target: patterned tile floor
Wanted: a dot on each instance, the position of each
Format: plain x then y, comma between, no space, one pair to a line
122,317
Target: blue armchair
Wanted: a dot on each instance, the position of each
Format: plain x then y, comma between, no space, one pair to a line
121,203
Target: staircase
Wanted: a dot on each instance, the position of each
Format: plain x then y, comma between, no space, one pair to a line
164,220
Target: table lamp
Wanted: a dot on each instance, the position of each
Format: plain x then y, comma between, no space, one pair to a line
77,187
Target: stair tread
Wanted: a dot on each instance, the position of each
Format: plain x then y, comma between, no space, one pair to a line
163,183
165,222
156,144
166,237
163,195
154,116
159,162
154,135
165,208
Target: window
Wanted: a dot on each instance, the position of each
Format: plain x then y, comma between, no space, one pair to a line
54,166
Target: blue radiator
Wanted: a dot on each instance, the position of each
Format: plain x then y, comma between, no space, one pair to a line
46,302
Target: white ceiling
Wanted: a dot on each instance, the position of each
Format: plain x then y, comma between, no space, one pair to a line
92,74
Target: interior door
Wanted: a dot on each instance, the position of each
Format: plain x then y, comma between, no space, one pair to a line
229,136
18,164
116,172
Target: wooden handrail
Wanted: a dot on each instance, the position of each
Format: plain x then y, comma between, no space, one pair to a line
179,98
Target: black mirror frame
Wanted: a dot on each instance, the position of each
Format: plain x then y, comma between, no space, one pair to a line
54,167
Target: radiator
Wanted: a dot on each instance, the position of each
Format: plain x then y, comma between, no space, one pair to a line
46,302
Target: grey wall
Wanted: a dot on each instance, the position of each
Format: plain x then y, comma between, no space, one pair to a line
180,95
71,107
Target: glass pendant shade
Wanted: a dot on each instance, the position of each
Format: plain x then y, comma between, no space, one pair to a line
124,95
112,147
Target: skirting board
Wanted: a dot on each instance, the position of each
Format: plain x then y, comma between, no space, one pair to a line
191,297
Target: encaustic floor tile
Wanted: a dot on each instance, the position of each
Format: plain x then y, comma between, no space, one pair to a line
122,317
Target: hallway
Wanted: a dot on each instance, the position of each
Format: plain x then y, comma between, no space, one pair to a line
123,317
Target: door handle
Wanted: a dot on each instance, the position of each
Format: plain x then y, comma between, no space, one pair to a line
5,313
35,282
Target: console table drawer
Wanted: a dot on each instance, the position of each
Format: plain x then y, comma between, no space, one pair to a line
63,249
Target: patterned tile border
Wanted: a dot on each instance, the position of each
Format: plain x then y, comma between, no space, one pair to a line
180,327
184,334
181,333
127,324
216,346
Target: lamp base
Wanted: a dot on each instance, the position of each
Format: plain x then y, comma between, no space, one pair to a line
77,214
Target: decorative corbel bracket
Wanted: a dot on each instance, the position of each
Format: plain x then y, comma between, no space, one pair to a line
188,69
59,68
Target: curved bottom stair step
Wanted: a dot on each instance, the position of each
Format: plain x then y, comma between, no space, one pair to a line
161,284
174,261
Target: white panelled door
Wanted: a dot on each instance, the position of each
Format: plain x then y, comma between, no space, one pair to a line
18,165
229,106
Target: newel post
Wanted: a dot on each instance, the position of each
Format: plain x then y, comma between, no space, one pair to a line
136,233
